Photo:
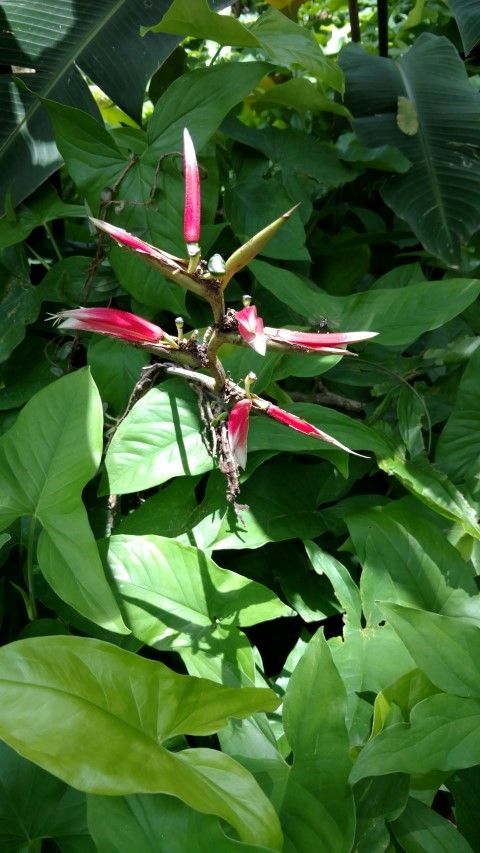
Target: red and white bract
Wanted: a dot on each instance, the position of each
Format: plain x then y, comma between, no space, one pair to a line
329,342
110,321
129,241
250,327
300,425
191,218
238,430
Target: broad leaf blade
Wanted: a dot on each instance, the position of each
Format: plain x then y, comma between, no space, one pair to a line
458,448
35,805
439,195
172,594
445,648
156,822
128,706
318,810
160,438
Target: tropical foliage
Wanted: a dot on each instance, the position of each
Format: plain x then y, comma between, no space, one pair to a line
239,588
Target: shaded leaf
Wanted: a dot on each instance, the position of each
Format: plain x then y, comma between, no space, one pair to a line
156,822
420,829
36,805
438,196
318,809
458,448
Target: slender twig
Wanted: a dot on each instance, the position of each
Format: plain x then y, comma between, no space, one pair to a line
382,19
354,20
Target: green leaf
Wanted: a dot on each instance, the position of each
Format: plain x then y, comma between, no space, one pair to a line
422,830
466,14
43,207
438,196
156,822
433,488
425,305
56,42
93,159
116,369
442,735
401,695
282,501
318,809
407,560
129,707
246,221
300,94
445,648
174,595
268,434
160,438
200,22
286,43
378,799
458,448
46,459
36,805
200,100
19,300
368,659
345,587
465,787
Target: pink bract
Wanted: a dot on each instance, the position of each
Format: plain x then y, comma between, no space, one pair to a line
300,425
238,430
110,321
250,327
191,219
327,342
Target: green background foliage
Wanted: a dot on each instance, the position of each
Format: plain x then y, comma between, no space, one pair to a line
303,673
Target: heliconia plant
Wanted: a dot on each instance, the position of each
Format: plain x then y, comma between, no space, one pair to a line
243,327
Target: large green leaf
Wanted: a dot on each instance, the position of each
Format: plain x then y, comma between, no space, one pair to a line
284,41
433,487
128,707
445,648
467,16
174,595
368,659
407,560
160,438
439,195
458,448
36,805
318,810
56,41
345,587
465,787
422,830
156,822
442,735
46,459
424,305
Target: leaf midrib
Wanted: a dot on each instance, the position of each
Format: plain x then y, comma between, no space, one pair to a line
61,70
